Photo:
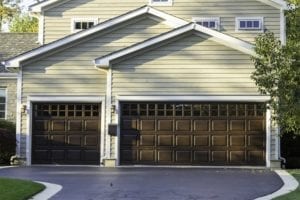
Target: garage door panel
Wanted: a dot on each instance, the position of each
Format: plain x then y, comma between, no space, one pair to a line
237,157
237,125
201,156
183,140
165,125
147,155
219,156
202,140
183,156
41,125
183,125
91,140
165,156
219,140
75,125
237,140
147,125
58,125
201,125
219,125
74,140
66,133
165,140
147,140
192,133
129,124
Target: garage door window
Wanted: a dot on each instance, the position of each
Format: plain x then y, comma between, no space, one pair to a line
2,103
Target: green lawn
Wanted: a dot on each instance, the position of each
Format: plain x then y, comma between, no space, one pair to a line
296,194
12,189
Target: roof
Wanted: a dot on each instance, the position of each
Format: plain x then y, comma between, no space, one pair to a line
104,61
41,6
15,44
169,19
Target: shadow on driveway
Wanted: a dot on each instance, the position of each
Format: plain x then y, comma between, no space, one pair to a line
95,183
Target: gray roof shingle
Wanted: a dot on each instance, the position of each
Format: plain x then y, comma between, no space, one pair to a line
12,44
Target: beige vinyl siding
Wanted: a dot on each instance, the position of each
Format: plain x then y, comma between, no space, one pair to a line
71,71
58,19
191,65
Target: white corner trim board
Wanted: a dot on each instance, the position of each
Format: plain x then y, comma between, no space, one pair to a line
289,184
50,190
174,21
104,61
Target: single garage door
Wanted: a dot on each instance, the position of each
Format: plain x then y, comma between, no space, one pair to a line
193,133
66,133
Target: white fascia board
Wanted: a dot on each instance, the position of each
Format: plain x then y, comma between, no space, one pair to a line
208,98
66,98
279,4
104,62
227,40
15,62
37,8
170,20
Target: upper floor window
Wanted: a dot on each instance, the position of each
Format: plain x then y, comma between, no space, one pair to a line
208,22
2,103
161,2
249,23
79,24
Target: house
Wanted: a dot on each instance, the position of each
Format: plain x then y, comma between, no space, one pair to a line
159,82
12,44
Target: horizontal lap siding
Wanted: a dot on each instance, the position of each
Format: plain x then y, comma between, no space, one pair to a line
192,71
72,72
227,10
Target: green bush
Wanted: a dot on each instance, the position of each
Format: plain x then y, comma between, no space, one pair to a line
7,141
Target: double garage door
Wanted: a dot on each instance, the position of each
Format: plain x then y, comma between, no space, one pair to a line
66,133
192,133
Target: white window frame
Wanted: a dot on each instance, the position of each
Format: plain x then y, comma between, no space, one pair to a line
208,19
160,3
82,19
5,103
239,29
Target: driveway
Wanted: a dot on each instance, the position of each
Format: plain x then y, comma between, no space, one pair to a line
94,183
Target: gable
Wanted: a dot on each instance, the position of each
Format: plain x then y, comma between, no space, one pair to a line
189,64
105,26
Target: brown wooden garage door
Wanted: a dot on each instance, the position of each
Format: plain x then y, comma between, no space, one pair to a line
192,133
66,133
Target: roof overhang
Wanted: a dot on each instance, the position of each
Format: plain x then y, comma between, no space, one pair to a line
280,4
169,19
39,7
105,61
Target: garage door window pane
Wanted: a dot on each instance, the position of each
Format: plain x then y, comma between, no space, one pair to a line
205,110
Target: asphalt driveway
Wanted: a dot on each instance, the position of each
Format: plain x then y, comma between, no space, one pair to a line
94,183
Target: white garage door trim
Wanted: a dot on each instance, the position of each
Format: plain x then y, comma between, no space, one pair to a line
215,98
61,99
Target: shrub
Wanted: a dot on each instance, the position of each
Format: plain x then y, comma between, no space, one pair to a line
7,141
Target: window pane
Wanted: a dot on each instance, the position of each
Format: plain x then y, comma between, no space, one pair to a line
2,93
2,115
212,24
2,99
84,25
77,25
256,24
242,24
90,24
2,107
249,24
205,24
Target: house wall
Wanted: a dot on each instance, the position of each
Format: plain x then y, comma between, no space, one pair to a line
11,87
188,66
57,22
71,71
